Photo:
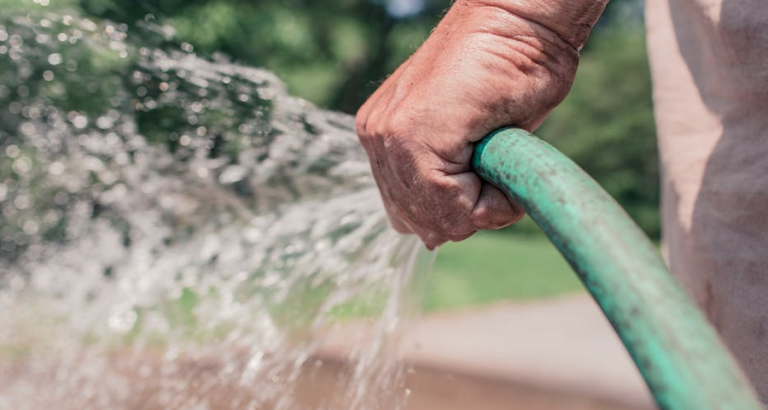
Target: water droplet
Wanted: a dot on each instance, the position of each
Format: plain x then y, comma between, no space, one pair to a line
113,114
15,54
21,202
16,41
12,151
31,227
22,165
203,172
32,113
48,75
79,121
42,38
54,59
233,174
104,122
88,25
122,321
56,168
28,128
60,198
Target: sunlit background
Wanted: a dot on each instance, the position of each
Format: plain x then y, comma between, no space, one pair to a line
335,53
332,53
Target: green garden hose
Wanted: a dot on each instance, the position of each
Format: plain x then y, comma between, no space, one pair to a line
679,354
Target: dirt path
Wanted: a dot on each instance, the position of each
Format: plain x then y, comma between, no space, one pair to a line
546,355
562,345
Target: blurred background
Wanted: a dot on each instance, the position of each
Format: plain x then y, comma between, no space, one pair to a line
334,53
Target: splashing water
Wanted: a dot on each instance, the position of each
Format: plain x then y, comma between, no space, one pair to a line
178,233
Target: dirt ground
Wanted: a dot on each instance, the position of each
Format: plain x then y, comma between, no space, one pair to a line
198,385
550,355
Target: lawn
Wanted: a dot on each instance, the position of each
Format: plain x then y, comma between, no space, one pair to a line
494,266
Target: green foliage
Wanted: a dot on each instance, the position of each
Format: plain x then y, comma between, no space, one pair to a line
606,124
65,78
331,52
334,53
490,267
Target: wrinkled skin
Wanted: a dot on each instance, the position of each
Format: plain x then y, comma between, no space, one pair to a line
485,66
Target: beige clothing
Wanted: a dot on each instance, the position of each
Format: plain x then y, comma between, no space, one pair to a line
709,60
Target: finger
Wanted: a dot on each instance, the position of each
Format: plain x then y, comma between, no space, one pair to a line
494,210
466,190
397,223
366,118
453,199
380,173
400,226
432,241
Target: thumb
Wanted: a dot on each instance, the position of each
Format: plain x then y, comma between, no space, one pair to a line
494,209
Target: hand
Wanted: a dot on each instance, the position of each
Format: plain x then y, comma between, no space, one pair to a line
485,66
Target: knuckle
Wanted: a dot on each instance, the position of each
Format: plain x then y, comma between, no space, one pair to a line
433,241
484,216
446,187
454,226
458,237
401,122
361,126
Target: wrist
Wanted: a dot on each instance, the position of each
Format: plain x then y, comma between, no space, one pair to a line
571,20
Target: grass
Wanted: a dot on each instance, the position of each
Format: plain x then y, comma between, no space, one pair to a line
493,266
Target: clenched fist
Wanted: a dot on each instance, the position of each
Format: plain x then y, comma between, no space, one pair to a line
488,64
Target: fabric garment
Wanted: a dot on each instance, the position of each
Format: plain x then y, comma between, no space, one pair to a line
709,61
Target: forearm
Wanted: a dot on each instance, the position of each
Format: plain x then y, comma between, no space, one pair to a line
572,20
